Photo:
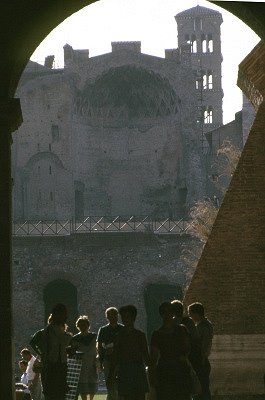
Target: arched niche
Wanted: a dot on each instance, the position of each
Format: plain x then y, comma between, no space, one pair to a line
154,295
61,291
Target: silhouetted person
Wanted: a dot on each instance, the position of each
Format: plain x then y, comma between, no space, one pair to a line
105,343
85,342
130,357
170,371
205,334
51,344
34,382
179,317
22,385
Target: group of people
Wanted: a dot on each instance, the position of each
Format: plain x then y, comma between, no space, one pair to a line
175,366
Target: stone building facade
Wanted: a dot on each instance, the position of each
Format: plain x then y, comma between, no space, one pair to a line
111,135
90,272
122,133
116,134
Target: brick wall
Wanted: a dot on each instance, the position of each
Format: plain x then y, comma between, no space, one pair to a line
230,276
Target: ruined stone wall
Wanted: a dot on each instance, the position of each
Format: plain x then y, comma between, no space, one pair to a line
118,157
106,269
41,151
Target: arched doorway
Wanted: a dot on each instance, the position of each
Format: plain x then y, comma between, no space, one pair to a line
61,291
154,295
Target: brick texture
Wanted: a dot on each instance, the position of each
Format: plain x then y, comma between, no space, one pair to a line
230,276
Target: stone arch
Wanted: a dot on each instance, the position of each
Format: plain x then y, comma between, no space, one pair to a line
43,155
155,294
61,291
41,182
33,22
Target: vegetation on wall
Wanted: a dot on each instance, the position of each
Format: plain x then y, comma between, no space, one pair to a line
204,212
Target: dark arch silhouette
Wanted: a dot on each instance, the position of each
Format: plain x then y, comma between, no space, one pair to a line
154,295
61,291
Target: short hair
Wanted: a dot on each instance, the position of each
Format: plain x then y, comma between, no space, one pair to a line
58,314
129,309
196,308
25,351
23,362
111,309
82,319
165,308
177,307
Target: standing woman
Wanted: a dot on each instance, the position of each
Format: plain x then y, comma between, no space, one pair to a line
51,344
130,358
85,341
170,373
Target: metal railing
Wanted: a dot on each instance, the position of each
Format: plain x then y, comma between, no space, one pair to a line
100,224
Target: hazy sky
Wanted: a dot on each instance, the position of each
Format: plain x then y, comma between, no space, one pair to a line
152,22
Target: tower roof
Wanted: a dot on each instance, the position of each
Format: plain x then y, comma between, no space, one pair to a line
198,11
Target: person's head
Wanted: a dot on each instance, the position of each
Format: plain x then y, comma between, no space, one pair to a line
58,315
26,354
112,315
166,311
196,311
128,314
177,308
22,365
83,323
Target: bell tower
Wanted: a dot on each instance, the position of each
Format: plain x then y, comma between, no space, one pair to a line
200,27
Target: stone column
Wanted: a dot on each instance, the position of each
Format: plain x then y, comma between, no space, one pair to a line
10,119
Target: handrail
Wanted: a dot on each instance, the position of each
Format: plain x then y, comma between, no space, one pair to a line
91,224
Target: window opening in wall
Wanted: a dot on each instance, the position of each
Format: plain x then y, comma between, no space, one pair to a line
50,147
38,169
210,79
50,170
197,24
38,146
208,115
204,45
204,80
210,43
187,39
55,133
193,44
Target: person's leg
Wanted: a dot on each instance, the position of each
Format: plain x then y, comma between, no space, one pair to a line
204,378
91,397
83,396
106,369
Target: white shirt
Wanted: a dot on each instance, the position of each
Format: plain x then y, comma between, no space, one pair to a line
24,380
29,370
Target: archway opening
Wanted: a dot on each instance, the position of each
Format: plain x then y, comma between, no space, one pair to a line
61,291
154,295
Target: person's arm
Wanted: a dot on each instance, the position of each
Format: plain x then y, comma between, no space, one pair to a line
36,341
100,348
206,337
